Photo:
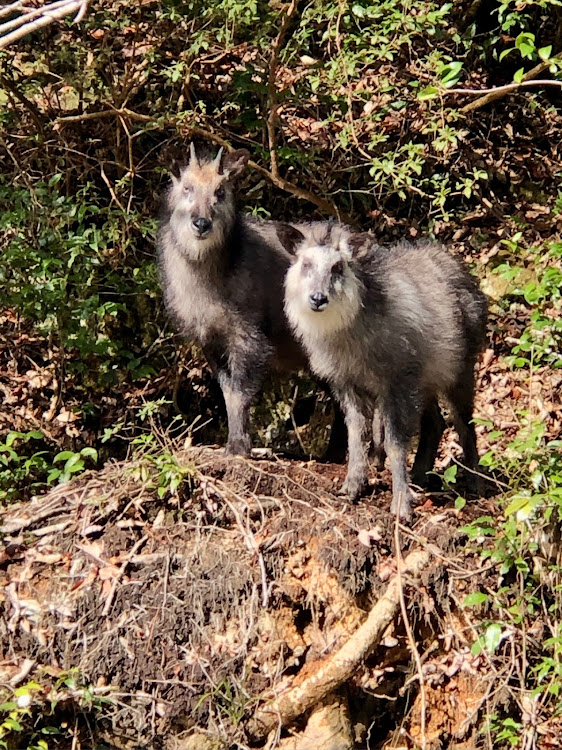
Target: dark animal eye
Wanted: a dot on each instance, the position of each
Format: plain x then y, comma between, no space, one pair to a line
187,189
337,268
221,194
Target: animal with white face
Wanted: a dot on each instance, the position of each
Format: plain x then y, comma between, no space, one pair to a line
222,273
391,330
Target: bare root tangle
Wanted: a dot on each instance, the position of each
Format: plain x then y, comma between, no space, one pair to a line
340,666
257,583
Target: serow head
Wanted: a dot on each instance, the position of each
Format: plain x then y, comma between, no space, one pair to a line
321,281
201,197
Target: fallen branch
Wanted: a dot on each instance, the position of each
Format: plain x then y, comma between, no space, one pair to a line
309,690
490,95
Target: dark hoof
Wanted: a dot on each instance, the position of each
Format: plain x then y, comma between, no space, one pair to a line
402,504
354,488
238,447
378,460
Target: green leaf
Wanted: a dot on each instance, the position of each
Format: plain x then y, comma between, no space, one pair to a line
518,75
450,73
450,474
476,648
474,599
460,502
89,453
492,637
11,723
525,43
518,505
64,456
54,474
545,52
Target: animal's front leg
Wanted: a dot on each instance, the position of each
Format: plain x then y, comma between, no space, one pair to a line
238,399
240,382
358,418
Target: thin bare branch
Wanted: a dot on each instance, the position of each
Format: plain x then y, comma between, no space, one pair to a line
275,179
29,15
48,16
13,7
272,91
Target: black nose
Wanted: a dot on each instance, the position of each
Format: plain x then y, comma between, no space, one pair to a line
317,301
202,225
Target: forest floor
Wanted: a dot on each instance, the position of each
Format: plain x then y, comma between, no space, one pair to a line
157,619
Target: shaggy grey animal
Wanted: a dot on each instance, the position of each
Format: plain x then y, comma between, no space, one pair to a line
391,328
223,275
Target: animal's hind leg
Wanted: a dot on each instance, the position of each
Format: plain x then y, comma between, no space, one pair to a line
461,397
432,427
401,410
377,449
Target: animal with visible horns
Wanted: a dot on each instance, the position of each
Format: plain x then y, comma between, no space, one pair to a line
223,273
392,328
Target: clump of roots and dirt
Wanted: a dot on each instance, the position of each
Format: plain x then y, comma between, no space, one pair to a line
256,608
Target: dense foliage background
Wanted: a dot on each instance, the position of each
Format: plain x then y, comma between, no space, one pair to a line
347,109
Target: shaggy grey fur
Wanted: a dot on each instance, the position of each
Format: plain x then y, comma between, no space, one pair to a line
223,275
392,328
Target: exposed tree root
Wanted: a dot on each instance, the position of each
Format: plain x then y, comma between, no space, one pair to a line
324,678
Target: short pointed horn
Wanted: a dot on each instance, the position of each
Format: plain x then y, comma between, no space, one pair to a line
217,162
193,155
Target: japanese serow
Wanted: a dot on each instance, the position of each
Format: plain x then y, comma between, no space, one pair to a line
222,273
391,330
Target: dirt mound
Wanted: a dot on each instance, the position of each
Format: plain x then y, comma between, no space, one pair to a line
194,621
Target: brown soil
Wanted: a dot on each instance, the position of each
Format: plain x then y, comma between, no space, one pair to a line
180,615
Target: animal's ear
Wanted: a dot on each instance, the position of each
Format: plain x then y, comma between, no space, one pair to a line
235,162
289,236
359,244
175,170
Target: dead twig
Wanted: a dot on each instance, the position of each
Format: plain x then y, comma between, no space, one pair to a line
135,548
26,668
40,17
409,632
